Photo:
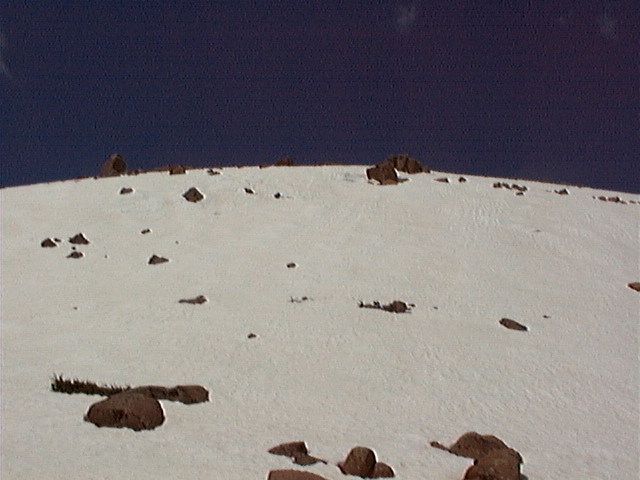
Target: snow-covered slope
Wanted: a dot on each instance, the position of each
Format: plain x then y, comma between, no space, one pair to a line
565,393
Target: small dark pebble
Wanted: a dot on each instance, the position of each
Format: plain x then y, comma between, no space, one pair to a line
513,325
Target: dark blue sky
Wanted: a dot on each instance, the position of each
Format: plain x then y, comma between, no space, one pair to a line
546,90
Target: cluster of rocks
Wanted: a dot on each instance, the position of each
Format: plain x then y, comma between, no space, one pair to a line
78,239
126,407
492,458
386,173
396,306
520,189
360,461
616,199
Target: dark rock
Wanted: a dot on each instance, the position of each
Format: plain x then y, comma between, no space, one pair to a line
75,255
200,299
186,394
297,451
291,265
155,260
462,180
285,162
384,174
249,191
79,239
126,410
382,470
193,195
293,475
145,231
396,307
442,180
634,286
513,325
360,462
405,163
473,445
289,449
211,171
277,195
252,335
114,167
126,190
48,243
564,191
501,464
177,170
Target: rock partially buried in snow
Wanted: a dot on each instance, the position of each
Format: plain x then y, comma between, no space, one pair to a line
187,394
155,260
297,451
200,299
634,286
405,163
79,239
114,167
75,255
48,243
361,461
474,445
126,190
384,174
293,475
501,464
193,195
127,410
513,325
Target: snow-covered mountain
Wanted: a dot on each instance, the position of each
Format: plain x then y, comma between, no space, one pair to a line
285,259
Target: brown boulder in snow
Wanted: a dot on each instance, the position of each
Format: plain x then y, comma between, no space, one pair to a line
297,451
193,195
473,445
513,325
114,167
293,475
186,394
405,163
285,162
384,174
382,470
75,255
155,260
126,410
360,461
126,190
48,243
501,464
634,286
79,239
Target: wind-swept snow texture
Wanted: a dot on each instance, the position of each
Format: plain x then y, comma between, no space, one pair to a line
564,393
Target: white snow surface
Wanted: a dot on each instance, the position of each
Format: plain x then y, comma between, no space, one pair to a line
565,394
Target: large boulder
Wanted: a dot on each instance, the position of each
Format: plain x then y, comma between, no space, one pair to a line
501,464
127,410
114,167
405,163
384,174
473,445
360,461
186,394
